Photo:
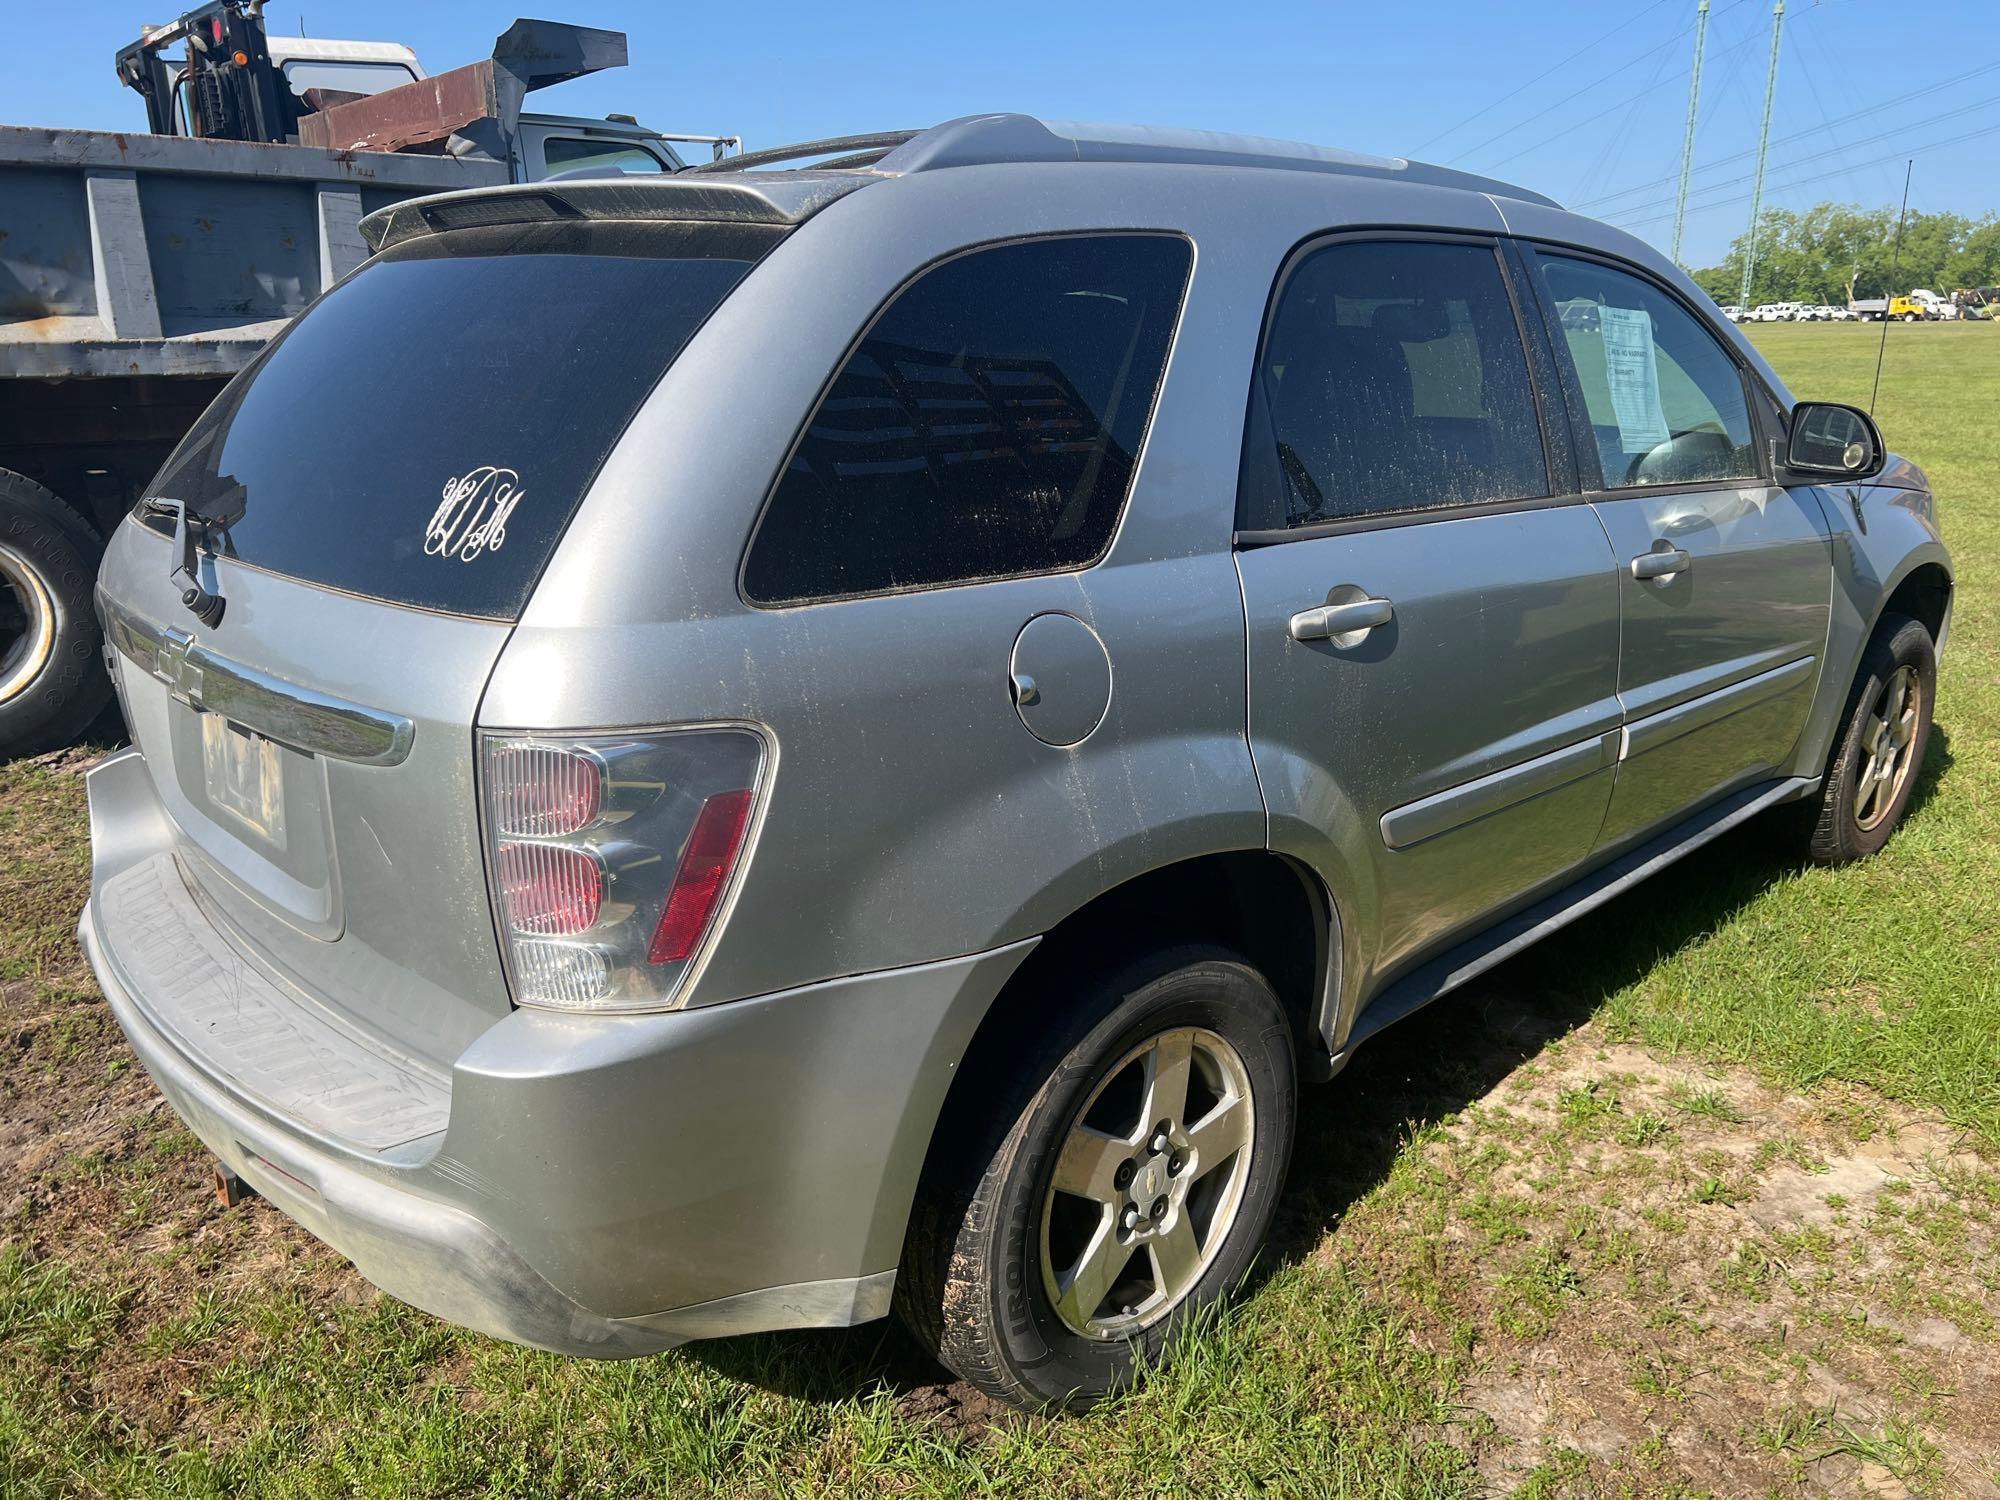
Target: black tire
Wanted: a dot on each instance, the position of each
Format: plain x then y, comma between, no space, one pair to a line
52,677
972,1286
1836,833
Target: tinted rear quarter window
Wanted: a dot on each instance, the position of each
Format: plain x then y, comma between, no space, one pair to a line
424,432
986,425
1393,378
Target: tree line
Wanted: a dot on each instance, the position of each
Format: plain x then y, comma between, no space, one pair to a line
1835,252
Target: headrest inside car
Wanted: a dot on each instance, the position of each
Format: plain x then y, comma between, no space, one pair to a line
1412,322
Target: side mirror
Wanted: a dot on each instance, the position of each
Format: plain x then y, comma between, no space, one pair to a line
1840,441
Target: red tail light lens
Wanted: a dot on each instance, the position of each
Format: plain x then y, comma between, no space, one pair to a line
544,791
612,857
548,889
710,854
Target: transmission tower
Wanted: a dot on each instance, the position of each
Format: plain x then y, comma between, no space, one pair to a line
1687,141
1763,148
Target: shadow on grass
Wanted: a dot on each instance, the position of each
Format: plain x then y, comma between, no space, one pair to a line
1417,1073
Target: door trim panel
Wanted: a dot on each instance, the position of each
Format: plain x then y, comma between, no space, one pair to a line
1456,806
1655,730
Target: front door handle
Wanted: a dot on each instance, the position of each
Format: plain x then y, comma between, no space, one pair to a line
1662,564
1343,624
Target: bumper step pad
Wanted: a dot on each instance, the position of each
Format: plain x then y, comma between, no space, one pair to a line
235,1021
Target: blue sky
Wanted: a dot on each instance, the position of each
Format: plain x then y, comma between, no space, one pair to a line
1861,82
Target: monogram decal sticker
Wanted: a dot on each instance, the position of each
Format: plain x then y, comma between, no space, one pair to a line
471,519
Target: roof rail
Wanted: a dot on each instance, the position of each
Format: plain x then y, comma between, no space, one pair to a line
981,140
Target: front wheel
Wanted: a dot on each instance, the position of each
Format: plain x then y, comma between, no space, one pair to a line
1881,748
1127,1178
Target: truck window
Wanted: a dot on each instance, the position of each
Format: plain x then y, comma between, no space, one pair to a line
303,73
567,153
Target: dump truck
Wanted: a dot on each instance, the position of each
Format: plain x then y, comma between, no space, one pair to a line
140,271
1900,309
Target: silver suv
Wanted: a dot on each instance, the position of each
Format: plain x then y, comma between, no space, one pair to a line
729,752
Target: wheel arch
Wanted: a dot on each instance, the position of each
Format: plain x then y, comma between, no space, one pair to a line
1267,906
1924,593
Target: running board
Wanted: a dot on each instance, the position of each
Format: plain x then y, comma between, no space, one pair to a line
1503,940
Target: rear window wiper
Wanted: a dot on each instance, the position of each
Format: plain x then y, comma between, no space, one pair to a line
191,540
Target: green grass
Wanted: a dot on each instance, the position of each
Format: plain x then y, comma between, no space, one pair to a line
1563,1176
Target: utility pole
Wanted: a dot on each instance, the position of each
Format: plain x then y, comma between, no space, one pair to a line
1687,141
1763,148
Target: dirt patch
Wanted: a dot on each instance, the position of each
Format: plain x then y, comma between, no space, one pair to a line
1680,1276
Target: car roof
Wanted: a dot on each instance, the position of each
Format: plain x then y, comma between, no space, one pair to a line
787,184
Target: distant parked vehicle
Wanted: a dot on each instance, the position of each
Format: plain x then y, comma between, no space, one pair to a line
1943,309
1875,309
1732,312
1773,312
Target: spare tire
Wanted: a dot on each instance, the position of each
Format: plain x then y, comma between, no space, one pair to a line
52,677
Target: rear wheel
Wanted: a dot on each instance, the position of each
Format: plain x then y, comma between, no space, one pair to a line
1881,748
1126,1178
52,680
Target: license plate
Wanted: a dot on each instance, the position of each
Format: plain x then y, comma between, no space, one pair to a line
245,776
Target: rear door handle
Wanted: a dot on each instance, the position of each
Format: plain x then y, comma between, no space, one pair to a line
1333,621
1660,564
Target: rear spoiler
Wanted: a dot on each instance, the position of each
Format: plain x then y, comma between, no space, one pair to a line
479,104
780,201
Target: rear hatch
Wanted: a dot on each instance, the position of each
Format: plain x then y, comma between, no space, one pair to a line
382,489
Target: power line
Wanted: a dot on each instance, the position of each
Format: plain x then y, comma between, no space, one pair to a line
1592,119
1556,68
1599,82
1866,140
1798,182
1613,151
1783,140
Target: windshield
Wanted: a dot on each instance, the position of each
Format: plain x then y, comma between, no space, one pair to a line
423,433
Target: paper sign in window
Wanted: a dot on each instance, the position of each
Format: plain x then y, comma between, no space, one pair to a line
1633,377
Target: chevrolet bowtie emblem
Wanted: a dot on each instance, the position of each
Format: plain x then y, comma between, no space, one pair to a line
174,663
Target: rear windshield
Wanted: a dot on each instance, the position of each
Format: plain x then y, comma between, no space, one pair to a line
423,433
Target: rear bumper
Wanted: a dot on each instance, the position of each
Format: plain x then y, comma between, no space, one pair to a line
601,1186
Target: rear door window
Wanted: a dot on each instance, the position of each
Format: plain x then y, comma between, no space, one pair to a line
423,433
986,426
1393,379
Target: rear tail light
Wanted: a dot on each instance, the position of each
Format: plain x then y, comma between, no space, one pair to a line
612,857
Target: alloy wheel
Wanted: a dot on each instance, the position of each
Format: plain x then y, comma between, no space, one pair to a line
1147,1183
1888,746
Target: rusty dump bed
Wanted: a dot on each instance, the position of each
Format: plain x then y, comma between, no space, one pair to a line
132,254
